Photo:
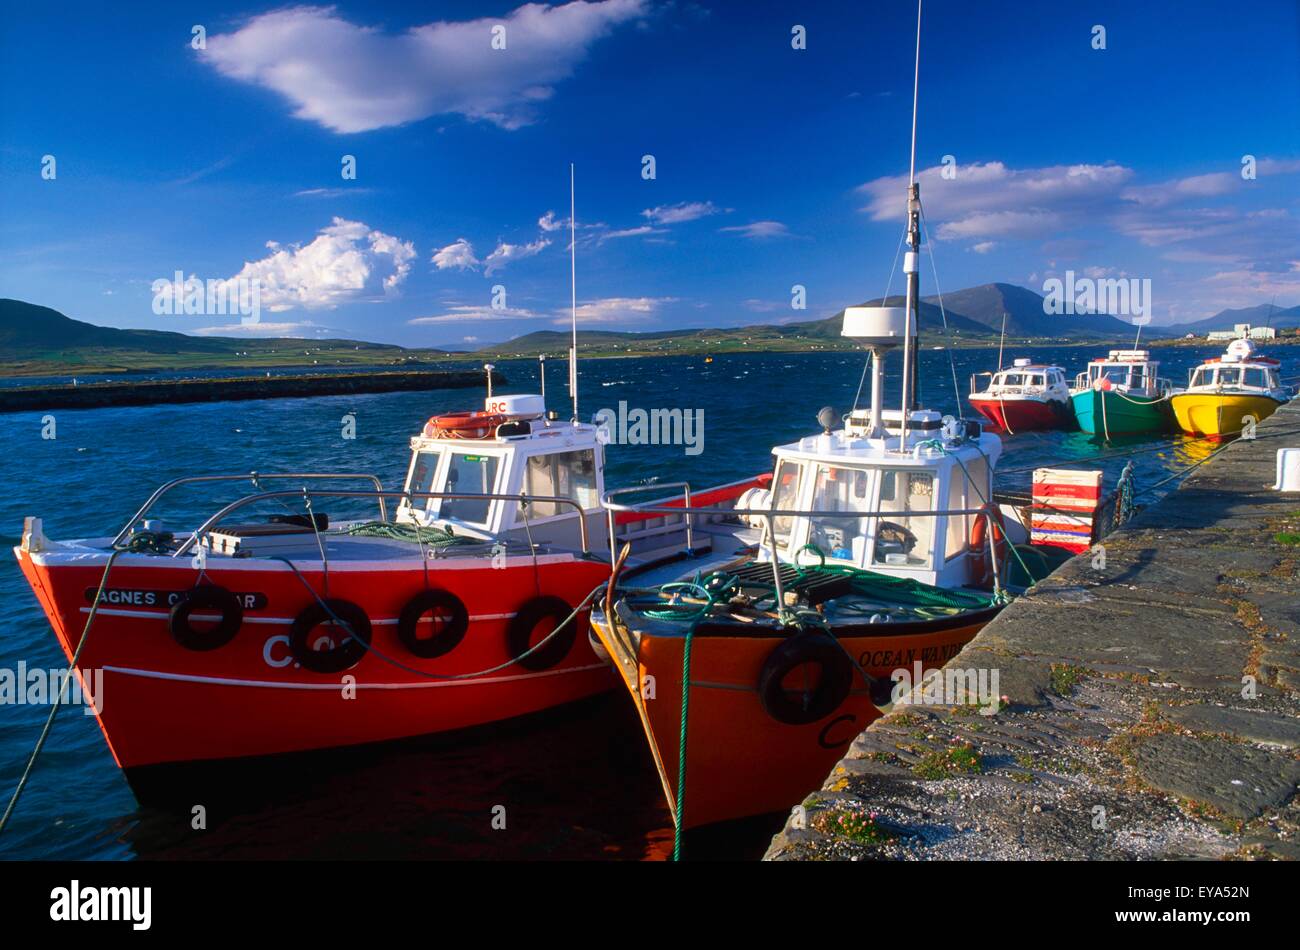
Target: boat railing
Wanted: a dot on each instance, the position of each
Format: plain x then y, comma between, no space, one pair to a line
684,509
380,494
771,514
1159,385
256,478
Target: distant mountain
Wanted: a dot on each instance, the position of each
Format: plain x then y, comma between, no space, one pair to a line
972,314
1263,315
1027,316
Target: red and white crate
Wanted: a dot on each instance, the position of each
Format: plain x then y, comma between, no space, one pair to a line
1065,505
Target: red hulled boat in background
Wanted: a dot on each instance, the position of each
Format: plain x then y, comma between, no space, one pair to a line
1024,397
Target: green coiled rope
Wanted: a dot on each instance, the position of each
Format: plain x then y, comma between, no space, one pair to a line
416,534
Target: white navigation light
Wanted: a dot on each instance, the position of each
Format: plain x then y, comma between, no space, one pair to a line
876,326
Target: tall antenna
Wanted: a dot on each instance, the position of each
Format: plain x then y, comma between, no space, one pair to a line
911,260
573,297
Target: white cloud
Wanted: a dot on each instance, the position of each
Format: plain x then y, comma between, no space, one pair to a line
617,310
347,261
459,254
296,330
983,247
508,253
353,78
330,192
478,314
1001,224
681,212
760,230
991,200
633,232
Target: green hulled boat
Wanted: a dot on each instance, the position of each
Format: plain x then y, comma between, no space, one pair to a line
1122,394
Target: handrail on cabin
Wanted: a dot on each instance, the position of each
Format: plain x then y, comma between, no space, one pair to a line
523,498
254,477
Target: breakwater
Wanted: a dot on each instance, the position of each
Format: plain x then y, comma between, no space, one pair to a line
1150,702
152,392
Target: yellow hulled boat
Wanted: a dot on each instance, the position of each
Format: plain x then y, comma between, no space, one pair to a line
1227,394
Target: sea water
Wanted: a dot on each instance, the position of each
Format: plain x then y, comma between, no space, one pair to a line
573,783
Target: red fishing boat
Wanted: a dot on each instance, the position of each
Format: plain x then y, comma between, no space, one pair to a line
1023,397
262,636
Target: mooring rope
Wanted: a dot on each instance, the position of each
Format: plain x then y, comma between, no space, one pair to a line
136,543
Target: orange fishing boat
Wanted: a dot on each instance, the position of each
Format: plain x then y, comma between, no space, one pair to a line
876,547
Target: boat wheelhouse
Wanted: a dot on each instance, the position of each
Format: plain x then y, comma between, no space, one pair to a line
1025,396
1122,394
1227,393
511,448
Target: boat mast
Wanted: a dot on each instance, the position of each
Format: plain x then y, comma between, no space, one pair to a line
911,260
573,298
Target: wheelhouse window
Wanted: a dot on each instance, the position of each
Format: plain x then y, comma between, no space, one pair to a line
1229,376
785,495
967,494
561,475
469,474
902,538
1203,377
837,529
1255,376
1117,374
423,470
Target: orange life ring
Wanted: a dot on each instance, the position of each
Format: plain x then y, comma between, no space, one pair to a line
979,550
463,425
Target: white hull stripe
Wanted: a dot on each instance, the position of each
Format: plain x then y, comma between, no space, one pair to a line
284,621
335,687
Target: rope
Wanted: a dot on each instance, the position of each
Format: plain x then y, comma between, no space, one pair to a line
679,800
413,533
140,542
369,648
952,363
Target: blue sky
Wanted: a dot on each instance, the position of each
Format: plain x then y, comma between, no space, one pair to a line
774,166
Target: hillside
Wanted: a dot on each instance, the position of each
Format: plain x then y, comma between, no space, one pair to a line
37,340
40,340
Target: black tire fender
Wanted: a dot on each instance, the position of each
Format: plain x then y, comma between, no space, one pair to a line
444,640
343,655
519,633
833,686
201,600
